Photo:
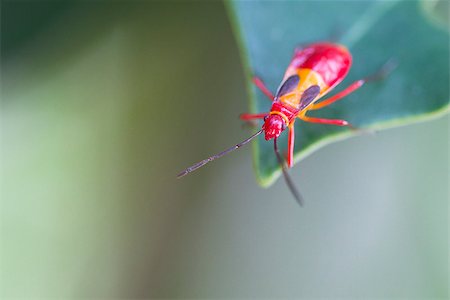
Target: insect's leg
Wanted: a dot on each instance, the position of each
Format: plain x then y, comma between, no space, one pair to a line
335,122
291,138
380,74
354,86
248,117
260,84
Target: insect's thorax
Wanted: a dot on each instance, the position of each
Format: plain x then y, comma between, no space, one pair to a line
308,78
287,112
279,118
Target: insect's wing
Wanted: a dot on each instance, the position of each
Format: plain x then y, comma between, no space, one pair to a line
288,86
308,96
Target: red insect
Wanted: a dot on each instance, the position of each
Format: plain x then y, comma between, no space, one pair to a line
313,72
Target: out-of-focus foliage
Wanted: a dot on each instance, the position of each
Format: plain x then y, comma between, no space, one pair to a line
375,32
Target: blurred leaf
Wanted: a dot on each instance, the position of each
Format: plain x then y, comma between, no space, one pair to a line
268,31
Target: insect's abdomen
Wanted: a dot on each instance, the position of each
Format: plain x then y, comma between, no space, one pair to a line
332,62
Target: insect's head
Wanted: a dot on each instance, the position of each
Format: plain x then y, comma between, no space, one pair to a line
273,126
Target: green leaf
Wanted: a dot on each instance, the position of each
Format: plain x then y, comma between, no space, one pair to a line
414,33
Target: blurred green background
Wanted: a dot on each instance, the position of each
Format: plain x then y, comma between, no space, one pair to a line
103,103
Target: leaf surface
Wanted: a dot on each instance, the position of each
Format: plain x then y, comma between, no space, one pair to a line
414,33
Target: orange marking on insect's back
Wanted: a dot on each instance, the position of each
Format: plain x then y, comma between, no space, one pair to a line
308,78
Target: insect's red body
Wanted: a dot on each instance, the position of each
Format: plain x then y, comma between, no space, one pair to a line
324,65
313,72
332,62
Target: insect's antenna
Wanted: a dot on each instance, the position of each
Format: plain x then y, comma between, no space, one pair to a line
218,155
287,178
